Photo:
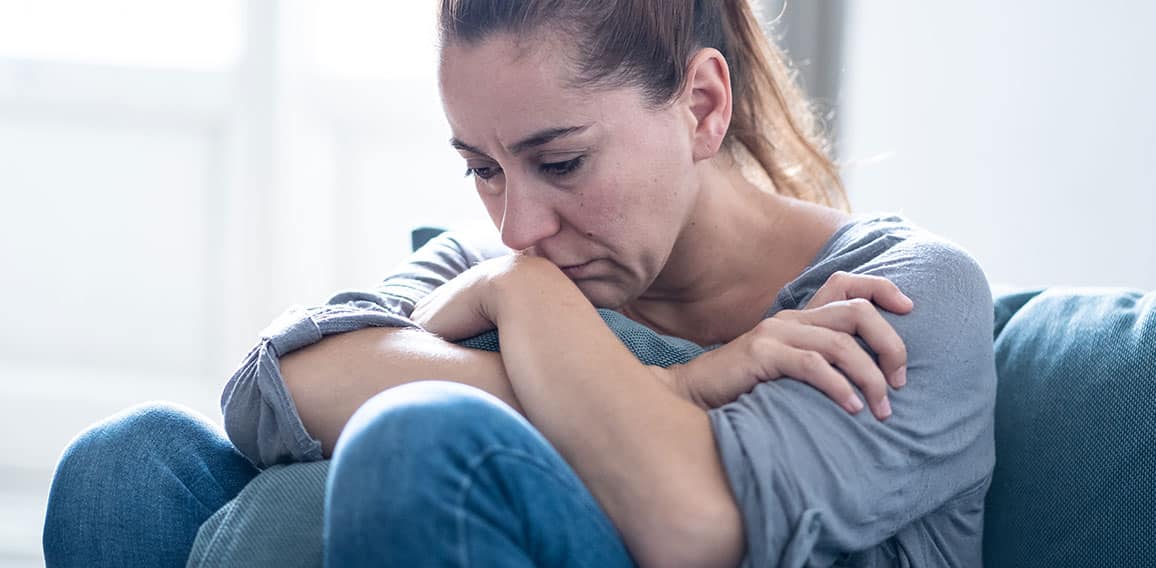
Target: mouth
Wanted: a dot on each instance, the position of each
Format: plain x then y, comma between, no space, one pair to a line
578,270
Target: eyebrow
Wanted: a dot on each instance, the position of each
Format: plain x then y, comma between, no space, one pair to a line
534,140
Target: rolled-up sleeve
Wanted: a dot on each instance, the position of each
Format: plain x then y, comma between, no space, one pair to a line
259,414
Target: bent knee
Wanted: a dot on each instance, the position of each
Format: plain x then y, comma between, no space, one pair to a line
425,415
140,431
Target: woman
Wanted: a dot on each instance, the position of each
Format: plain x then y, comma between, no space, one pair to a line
613,145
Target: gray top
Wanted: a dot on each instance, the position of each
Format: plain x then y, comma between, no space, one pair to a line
812,481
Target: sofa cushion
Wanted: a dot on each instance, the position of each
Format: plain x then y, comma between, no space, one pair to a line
274,521
1075,474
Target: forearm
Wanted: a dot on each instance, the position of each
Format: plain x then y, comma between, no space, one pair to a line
621,427
330,379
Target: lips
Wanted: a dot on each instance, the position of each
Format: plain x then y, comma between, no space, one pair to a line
578,270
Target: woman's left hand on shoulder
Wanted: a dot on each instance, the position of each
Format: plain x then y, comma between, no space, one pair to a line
813,345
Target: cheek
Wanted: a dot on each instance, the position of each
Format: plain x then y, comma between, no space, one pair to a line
602,213
493,204
634,217
638,202
644,211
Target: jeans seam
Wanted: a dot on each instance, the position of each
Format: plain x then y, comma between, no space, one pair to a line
467,484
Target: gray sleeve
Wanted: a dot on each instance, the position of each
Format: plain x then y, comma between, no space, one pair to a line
815,483
260,416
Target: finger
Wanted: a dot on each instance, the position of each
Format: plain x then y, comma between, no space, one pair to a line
841,350
860,318
876,289
813,369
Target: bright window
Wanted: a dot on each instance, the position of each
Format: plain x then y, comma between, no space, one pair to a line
205,34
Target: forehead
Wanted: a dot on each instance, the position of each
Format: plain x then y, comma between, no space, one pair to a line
507,89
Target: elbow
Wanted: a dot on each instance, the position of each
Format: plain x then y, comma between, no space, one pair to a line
260,417
708,537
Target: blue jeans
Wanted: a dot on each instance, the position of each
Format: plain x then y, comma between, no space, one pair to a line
133,489
436,473
431,473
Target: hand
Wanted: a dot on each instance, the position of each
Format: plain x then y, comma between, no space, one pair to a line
808,345
841,286
459,308
846,286
470,303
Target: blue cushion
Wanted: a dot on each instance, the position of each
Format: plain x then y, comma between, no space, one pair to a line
1075,474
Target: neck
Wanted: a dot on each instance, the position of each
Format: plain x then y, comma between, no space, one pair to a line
740,246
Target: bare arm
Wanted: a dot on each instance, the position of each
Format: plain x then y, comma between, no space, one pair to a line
617,422
330,379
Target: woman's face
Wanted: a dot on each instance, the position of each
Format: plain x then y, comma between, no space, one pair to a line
574,177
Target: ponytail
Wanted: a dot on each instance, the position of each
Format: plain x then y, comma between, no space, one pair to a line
772,119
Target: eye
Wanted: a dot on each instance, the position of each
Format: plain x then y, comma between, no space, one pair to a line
485,172
560,169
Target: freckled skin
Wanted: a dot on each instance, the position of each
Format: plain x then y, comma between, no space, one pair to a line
638,165
670,218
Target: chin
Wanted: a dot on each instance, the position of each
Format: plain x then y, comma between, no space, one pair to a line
601,294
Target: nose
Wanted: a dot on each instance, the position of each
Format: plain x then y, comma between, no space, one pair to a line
527,217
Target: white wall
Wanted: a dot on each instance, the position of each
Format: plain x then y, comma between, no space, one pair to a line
172,177
1026,131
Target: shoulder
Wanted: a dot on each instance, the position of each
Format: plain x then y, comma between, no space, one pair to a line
952,319
924,265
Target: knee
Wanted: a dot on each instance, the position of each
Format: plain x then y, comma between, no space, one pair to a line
153,467
116,459
138,432
128,448
426,417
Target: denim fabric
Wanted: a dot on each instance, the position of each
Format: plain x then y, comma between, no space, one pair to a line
133,489
449,475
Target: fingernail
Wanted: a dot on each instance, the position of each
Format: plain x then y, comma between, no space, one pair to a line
853,404
901,376
884,408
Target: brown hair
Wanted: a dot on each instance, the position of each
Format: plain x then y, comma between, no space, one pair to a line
647,44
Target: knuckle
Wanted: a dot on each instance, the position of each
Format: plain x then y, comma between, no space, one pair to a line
875,385
897,347
763,330
861,308
844,344
812,363
762,345
766,325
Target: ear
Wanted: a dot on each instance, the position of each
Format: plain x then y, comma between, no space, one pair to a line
708,97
